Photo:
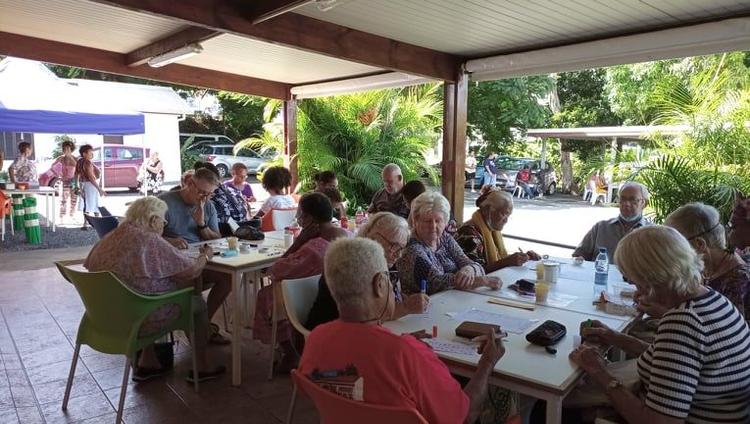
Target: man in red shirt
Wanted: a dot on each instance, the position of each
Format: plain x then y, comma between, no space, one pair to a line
523,179
356,357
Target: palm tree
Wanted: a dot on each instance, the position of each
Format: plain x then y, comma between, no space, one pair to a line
356,135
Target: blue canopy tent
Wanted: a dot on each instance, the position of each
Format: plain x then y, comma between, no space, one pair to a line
33,99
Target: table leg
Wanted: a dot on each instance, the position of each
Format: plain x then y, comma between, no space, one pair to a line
53,212
554,410
236,329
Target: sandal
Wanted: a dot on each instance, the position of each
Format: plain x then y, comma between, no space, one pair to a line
144,374
216,337
206,375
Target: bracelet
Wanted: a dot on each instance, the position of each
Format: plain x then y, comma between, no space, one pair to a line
202,227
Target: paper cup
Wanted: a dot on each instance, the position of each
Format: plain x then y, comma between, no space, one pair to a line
551,272
541,290
232,242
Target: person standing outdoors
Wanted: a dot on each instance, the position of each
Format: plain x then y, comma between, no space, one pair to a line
23,169
87,175
68,164
470,169
490,170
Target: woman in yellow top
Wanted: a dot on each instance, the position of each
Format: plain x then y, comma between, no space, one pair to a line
480,237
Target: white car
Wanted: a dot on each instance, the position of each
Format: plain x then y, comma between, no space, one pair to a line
222,156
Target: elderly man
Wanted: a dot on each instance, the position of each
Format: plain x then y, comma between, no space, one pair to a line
389,198
633,199
386,368
191,217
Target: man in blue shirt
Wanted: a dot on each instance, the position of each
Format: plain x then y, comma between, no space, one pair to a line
191,216
490,170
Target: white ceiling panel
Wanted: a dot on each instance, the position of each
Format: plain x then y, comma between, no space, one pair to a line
243,56
482,27
84,23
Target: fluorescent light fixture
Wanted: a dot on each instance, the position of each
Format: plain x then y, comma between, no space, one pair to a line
353,85
175,55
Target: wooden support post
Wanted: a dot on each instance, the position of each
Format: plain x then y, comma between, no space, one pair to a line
455,106
290,139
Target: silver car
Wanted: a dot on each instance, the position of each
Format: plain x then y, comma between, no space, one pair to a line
222,156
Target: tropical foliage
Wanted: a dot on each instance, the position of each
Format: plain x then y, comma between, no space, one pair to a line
357,135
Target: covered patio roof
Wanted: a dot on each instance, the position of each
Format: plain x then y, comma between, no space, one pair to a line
267,47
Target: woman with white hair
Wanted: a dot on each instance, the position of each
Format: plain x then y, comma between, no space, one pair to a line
432,257
724,270
481,238
698,366
392,233
370,363
141,258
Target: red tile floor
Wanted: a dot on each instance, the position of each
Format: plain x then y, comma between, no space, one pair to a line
39,315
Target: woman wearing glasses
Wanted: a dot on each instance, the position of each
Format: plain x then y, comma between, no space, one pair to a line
392,233
724,270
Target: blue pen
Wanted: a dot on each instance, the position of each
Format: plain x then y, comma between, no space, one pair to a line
423,286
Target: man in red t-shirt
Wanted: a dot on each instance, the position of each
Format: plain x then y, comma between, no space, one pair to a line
358,358
523,179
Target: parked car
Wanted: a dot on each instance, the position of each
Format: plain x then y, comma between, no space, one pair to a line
507,170
121,166
222,156
205,139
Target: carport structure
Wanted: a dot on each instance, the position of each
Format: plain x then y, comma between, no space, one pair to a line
293,49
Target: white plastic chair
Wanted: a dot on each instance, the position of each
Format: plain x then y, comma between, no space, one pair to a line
298,296
519,192
282,218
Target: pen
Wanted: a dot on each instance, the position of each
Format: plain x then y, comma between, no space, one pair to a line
423,286
588,323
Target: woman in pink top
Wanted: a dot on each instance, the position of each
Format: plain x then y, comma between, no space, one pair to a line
141,258
68,165
304,258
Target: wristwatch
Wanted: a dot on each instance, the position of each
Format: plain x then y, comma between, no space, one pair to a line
202,227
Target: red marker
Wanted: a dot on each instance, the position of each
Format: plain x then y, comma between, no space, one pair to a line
434,331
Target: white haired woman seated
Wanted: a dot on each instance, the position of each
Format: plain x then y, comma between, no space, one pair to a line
697,369
392,233
433,256
391,369
724,270
141,258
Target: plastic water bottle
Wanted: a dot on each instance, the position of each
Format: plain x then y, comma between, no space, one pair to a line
601,272
359,217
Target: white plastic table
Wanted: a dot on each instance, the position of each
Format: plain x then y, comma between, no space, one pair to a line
49,206
525,368
236,267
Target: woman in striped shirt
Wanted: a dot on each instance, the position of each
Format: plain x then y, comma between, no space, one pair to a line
697,370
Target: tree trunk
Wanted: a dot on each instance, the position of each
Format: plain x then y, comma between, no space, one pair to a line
566,164
566,169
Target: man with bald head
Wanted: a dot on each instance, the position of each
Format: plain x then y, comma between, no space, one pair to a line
389,198
608,233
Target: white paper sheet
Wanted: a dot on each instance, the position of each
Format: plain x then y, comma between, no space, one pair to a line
449,346
508,323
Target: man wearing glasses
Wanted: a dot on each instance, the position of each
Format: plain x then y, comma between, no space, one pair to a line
633,199
191,216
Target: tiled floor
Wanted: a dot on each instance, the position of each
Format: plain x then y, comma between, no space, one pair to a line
39,315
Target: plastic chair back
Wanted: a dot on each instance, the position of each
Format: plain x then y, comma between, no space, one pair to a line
6,205
102,224
114,313
277,219
104,211
299,295
335,409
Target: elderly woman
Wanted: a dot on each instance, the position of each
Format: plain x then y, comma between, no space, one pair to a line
724,270
698,366
303,259
481,239
397,370
392,233
23,169
136,252
432,257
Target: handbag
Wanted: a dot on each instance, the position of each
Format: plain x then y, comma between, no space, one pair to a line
247,232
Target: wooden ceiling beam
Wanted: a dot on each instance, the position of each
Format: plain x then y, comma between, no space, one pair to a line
171,42
263,10
304,33
113,62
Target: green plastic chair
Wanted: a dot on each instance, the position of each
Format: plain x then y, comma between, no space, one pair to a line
113,317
